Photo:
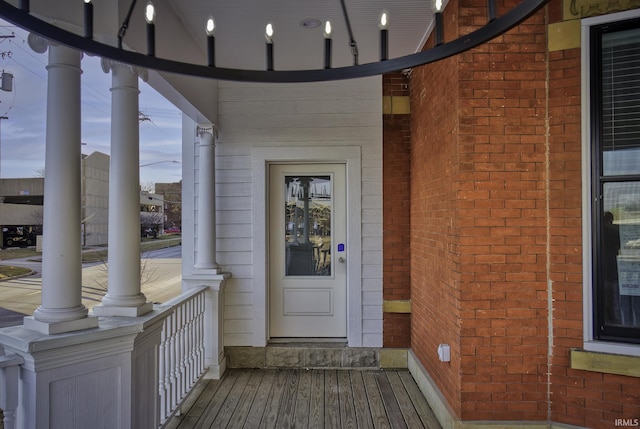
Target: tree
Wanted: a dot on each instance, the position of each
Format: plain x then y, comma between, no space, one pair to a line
148,187
151,223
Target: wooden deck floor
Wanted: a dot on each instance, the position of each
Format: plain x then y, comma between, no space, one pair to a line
314,398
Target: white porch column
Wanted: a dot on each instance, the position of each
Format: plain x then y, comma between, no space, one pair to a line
124,296
206,271
61,309
206,234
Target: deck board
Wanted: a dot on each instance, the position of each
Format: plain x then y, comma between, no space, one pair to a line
378,413
347,408
217,401
241,411
288,404
317,395
301,419
232,400
307,398
396,419
404,402
271,411
363,412
332,401
263,393
423,409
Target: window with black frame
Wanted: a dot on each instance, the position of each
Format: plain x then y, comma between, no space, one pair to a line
615,101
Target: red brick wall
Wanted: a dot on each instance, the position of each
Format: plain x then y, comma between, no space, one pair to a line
484,277
435,261
580,398
479,221
502,203
565,230
396,219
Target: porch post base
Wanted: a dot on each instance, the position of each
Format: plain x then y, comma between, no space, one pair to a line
52,328
214,317
201,271
115,310
106,371
215,371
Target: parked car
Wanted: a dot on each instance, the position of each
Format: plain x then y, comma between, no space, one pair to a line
149,233
172,230
17,236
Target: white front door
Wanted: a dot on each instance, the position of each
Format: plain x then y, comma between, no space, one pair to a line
307,251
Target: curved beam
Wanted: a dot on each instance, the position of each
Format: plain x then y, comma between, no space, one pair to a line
491,30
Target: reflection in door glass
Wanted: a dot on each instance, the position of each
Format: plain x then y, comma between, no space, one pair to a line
307,225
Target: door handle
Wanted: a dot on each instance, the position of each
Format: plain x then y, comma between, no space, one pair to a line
341,259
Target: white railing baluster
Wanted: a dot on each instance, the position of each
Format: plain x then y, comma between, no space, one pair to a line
9,370
161,371
181,339
172,360
201,333
181,352
191,342
166,374
189,346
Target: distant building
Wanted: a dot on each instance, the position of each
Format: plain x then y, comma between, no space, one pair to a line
152,215
172,193
95,199
20,210
21,202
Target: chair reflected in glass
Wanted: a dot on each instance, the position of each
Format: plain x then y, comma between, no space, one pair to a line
308,225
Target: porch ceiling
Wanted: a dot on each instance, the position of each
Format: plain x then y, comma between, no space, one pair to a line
240,40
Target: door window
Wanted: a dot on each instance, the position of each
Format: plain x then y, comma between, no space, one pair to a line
308,212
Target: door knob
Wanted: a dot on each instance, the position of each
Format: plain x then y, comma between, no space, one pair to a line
341,259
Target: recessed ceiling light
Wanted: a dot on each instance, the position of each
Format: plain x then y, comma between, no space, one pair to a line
310,23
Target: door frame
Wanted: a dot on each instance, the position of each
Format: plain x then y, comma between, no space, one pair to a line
328,292
350,156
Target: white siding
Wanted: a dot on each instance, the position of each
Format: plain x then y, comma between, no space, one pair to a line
316,115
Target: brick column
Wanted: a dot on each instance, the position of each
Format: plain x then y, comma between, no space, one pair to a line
396,173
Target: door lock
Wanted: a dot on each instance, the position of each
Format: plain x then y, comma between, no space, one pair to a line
341,259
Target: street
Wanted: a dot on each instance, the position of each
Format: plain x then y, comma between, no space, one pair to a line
161,274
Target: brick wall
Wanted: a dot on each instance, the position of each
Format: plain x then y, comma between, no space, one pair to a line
565,231
482,150
582,398
435,262
479,221
502,204
396,219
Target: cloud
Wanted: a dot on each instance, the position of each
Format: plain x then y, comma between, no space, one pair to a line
23,134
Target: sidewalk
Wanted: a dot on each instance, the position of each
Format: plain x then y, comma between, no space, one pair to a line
161,281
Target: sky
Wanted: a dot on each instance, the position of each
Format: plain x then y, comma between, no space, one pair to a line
22,135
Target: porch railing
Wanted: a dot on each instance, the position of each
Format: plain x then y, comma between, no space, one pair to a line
181,353
9,371
175,329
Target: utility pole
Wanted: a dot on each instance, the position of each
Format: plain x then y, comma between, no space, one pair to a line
1,118
8,85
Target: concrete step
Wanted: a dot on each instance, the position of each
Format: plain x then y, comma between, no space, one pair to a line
303,355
